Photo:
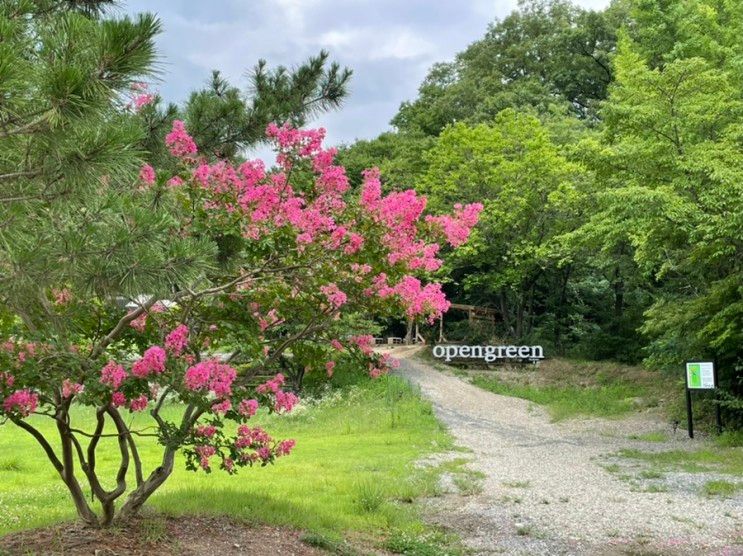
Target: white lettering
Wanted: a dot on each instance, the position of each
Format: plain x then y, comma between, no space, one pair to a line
524,351
438,351
511,351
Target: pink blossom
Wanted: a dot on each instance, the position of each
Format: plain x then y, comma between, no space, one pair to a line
179,141
177,340
210,375
139,404
329,367
285,447
336,344
371,189
205,452
364,343
207,431
62,297
334,295
355,242
118,399
285,401
70,388
147,174
273,385
175,181
142,100
152,361
222,407
113,375
457,228
7,378
139,323
23,402
247,408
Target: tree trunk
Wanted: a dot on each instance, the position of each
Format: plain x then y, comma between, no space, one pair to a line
138,497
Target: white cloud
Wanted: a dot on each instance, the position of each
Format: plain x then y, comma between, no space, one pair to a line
370,43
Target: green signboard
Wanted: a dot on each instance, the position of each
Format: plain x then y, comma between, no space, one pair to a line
700,375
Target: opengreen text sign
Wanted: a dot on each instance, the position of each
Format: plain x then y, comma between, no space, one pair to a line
489,354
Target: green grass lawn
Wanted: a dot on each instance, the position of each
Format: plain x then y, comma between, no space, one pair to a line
350,472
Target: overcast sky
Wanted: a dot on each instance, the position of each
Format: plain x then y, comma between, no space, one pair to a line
389,44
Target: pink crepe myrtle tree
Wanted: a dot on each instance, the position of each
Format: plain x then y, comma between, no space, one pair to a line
291,253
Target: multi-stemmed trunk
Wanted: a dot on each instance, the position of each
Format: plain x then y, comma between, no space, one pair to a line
71,450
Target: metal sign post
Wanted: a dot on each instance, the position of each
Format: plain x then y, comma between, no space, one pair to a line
700,375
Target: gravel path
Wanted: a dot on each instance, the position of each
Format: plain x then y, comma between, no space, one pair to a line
547,490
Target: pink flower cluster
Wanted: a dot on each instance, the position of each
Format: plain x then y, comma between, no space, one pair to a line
141,97
205,452
457,228
70,388
7,378
118,399
139,403
283,401
273,385
113,375
247,408
365,343
256,445
151,362
62,296
180,143
210,375
22,402
336,298
428,300
177,340
207,431
147,174
329,368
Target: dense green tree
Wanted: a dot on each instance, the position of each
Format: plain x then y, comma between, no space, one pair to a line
530,193
672,170
552,57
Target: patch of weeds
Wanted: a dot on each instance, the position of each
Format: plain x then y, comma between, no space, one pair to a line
468,484
721,488
730,439
370,495
12,464
429,544
657,436
651,474
654,488
517,484
612,467
154,530
564,499
331,545
524,530
721,460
